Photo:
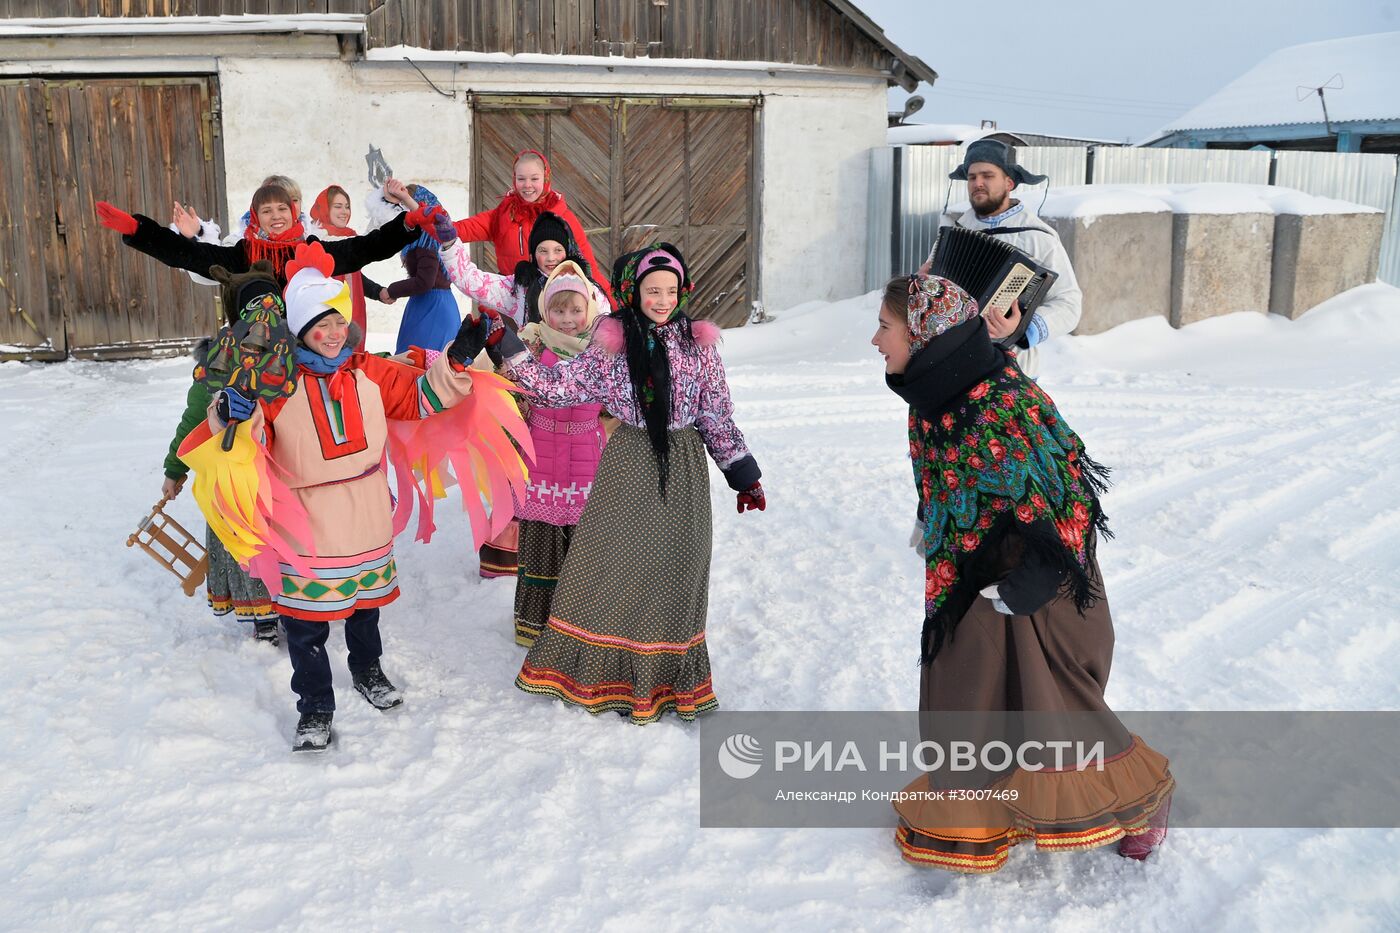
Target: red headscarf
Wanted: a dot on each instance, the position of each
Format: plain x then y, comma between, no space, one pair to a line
521,209
276,248
321,212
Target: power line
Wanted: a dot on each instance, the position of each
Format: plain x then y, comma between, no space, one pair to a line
1099,98
1052,106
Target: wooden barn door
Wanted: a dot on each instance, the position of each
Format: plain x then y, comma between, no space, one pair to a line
31,322
141,144
688,178
637,170
575,135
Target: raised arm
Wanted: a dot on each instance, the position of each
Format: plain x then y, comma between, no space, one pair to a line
477,228
354,253
145,235
422,274
493,291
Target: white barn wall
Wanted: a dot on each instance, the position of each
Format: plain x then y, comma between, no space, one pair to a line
816,168
314,121
816,132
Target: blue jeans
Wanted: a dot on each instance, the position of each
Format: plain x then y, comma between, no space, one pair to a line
311,669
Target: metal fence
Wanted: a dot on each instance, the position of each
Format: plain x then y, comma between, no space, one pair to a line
910,189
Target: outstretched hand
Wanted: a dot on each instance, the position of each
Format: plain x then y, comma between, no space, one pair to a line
186,220
114,218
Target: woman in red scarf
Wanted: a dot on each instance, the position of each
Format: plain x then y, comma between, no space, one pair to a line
332,211
273,233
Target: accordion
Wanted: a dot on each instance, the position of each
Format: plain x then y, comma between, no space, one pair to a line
993,272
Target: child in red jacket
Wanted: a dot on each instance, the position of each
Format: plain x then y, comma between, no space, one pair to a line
508,224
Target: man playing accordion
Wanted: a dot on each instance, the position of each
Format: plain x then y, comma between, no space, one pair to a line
991,173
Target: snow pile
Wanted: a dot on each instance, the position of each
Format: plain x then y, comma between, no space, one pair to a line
1203,198
1369,70
146,775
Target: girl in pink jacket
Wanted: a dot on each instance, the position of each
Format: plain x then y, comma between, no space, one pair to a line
568,443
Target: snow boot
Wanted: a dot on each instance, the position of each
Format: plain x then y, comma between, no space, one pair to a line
1139,847
376,688
313,732
266,630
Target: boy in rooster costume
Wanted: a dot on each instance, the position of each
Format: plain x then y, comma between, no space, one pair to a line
303,497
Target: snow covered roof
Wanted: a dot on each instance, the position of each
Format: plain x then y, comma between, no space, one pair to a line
331,23
940,133
1268,93
1204,198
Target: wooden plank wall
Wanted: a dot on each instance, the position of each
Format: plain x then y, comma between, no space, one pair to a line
15,9
637,170
809,32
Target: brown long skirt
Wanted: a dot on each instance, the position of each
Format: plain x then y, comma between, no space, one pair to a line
626,631
1054,661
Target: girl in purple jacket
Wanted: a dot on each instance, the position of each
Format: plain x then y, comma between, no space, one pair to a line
568,442
626,629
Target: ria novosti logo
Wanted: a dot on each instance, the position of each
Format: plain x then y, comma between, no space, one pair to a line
740,756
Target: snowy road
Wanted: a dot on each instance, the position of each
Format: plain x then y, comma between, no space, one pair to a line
145,777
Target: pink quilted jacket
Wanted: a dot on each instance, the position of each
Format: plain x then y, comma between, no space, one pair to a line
568,443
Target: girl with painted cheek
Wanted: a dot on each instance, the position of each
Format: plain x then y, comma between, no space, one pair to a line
568,442
1015,617
329,441
626,628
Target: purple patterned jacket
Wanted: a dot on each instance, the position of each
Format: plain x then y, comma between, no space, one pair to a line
699,392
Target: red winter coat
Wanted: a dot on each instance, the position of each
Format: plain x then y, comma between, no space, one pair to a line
508,226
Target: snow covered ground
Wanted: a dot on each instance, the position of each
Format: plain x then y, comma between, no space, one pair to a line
145,778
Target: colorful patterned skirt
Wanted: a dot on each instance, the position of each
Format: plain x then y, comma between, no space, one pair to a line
542,550
231,589
1055,661
626,631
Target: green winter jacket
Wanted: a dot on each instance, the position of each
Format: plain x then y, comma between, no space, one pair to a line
196,409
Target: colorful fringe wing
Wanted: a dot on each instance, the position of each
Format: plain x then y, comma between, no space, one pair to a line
481,444
239,491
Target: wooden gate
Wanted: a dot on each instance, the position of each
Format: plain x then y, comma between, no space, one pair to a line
641,169
70,285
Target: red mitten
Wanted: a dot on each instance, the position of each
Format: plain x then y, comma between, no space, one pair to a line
114,218
751,499
421,218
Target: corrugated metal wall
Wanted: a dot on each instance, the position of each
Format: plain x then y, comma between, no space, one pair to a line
1363,177
924,190
909,188
1115,166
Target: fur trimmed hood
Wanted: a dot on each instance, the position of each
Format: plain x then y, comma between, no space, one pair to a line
607,333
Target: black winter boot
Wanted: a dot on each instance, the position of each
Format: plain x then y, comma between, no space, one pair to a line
266,630
376,688
313,732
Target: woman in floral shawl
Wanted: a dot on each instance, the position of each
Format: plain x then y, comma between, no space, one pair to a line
1015,617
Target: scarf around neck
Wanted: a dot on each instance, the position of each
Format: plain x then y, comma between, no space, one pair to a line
565,346
333,366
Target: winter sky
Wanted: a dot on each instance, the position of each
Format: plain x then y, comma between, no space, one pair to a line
1101,68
